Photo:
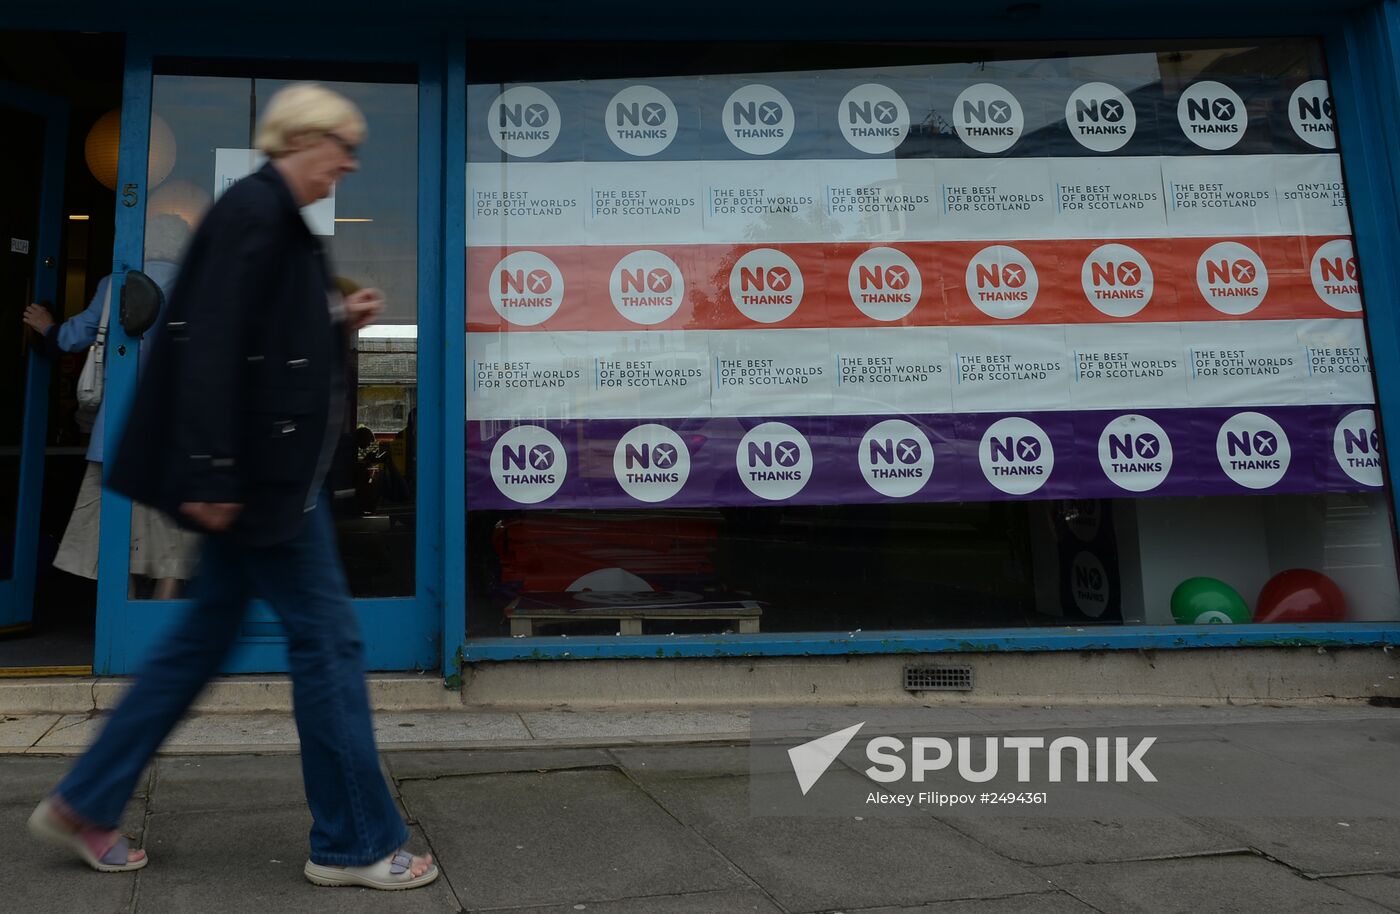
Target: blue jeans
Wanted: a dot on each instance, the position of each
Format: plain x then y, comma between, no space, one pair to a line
355,820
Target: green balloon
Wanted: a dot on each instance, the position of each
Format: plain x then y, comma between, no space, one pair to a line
1199,601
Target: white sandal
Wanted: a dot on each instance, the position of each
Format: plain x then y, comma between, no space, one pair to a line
392,873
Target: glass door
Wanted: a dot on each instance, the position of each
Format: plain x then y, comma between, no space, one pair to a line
203,114
203,125
32,158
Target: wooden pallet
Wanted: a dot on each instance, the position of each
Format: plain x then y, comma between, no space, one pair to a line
629,610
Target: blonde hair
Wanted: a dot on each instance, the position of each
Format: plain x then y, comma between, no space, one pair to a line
305,108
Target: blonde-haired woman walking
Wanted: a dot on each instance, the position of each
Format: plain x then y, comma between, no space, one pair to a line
232,432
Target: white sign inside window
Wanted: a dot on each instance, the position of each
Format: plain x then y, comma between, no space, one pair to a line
232,165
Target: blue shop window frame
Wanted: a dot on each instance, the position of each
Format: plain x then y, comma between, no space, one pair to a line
1365,76
402,633
427,630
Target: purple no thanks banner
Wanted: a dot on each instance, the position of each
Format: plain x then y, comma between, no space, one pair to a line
926,458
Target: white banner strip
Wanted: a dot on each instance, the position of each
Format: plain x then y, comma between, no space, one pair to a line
529,204
909,370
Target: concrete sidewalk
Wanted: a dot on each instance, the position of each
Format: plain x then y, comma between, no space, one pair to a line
649,813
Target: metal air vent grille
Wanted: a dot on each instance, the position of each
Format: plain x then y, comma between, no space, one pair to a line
938,678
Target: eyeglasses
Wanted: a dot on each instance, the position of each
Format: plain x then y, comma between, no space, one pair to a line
350,149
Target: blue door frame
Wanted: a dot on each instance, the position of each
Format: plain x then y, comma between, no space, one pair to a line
17,591
400,633
1361,44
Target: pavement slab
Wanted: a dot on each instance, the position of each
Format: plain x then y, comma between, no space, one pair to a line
27,779
1202,885
1046,841
1041,717
277,730
1383,889
1210,773
435,763
707,760
1038,903
623,724
244,731
464,727
798,724
730,901
816,863
1357,754
1320,845
69,730
23,732
241,861
217,782
534,838
683,761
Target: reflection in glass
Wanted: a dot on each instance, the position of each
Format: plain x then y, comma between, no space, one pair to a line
369,229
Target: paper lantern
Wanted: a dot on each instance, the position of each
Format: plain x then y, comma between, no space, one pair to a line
179,198
103,146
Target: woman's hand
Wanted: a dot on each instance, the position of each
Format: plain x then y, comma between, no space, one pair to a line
39,318
363,307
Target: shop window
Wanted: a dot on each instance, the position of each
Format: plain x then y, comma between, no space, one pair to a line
902,337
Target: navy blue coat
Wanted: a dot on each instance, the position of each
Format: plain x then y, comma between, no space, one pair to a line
234,403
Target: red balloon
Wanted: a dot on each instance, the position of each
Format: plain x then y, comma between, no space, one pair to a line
1300,595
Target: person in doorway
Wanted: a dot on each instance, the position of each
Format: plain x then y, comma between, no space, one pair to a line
232,432
160,550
